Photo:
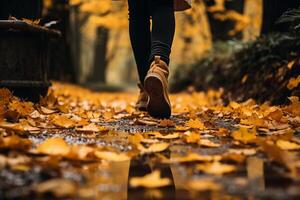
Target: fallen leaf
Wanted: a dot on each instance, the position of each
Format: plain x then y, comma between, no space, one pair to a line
47,111
15,142
149,122
203,185
208,143
216,168
195,124
152,180
112,156
279,155
81,152
166,123
294,107
191,137
170,136
194,157
136,139
22,108
244,135
63,121
91,128
153,148
58,187
54,146
286,145
246,152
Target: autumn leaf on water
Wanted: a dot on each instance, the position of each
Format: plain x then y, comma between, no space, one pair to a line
92,127
170,136
54,146
244,135
81,152
112,156
152,180
154,148
246,152
135,139
15,142
166,123
203,185
194,157
279,155
208,143
216,168
195,124
58,187
254,121
191,137
286,145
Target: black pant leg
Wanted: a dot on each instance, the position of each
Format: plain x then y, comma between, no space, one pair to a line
163,28
140,35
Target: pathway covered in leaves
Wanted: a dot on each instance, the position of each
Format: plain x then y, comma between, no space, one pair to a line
80,144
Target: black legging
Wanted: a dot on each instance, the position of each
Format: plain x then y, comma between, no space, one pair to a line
145,44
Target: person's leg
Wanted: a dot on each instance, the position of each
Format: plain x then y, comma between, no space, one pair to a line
163,28
156,81
140,35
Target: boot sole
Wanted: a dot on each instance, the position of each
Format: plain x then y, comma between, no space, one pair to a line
158,106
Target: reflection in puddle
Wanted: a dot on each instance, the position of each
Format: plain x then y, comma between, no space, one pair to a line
255,171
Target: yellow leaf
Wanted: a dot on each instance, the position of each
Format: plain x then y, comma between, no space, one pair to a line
293,83
244,135
166,123
80,152
112,156
91,128
63,121
196,124
47,111
154,148
170,136
208,143
203,185
286,145
216,168
193,157
15,142
247,152
54,146
58,187
253,120
191,137
152,180
294,107
135,139
22,108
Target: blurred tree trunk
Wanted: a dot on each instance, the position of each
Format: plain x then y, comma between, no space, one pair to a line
220,29
253,9
61,63
100,62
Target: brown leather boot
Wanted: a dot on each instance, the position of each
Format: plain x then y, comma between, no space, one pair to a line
142,101
156,86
